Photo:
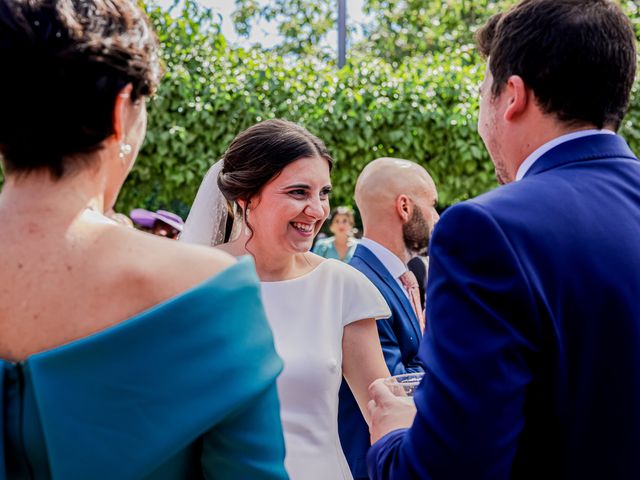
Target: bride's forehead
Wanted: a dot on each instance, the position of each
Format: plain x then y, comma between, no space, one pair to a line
307,169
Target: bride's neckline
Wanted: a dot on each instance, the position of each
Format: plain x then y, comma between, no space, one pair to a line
299,277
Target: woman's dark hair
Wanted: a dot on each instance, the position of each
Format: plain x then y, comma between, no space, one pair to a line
261,152
63,64
346,211
578,57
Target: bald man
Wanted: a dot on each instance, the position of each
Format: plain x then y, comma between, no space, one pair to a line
397,200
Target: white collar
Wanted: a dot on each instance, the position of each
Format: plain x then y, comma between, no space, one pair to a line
389,259
90,215
531,159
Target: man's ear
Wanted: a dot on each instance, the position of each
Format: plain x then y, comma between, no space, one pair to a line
403,207
119,108
517,96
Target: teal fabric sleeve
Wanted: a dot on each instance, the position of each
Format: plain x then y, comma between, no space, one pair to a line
243,446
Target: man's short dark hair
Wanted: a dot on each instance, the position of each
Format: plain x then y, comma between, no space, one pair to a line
578,57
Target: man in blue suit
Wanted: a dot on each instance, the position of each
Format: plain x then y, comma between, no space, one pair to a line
532,349
396,199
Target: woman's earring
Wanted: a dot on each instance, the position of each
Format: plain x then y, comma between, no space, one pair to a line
247,231
125,150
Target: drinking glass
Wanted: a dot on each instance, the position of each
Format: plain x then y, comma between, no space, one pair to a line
404,385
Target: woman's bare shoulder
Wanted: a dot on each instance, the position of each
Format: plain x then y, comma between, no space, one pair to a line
171,267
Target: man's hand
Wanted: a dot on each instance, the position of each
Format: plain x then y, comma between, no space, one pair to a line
387,411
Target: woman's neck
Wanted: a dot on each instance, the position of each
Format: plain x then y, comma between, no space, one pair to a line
341,240
282,268
38,195
271,265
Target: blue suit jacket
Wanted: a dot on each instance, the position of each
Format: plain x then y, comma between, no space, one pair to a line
533,343
400,338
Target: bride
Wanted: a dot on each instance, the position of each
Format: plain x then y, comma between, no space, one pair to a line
274,184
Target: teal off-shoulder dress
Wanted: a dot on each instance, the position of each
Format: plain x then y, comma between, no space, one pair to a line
185,390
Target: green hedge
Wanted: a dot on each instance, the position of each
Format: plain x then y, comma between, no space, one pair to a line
423,109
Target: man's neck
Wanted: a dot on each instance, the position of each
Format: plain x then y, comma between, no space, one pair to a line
393,243
546,129
543,149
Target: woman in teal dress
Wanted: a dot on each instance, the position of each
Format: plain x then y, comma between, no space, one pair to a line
122,355
342,245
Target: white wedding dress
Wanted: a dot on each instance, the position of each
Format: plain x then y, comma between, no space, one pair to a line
308,315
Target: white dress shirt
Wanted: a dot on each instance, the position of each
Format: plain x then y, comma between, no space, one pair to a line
531,159
389,259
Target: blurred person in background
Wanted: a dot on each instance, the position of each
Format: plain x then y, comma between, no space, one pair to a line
161,222
342,245
110,367
120,218
419,265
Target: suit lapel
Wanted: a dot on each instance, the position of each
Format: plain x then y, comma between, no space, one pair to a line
367,256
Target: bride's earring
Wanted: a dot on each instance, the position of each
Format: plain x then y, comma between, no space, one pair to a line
247,231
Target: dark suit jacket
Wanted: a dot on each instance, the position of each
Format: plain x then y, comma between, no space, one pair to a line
533,341
419,268
400,339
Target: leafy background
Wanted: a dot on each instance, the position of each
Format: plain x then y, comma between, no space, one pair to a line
409,90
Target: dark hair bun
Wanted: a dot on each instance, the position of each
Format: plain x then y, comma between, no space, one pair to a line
63,63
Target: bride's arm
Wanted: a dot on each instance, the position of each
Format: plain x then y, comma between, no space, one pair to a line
362,360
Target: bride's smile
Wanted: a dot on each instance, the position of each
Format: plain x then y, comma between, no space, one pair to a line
289,211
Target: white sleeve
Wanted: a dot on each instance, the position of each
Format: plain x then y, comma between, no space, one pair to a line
361,299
